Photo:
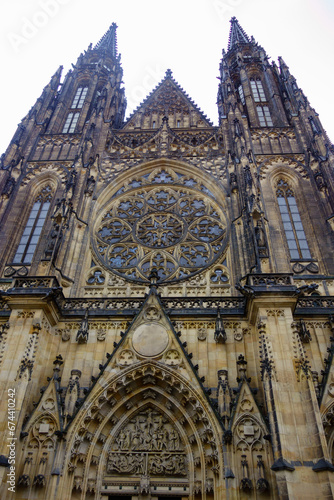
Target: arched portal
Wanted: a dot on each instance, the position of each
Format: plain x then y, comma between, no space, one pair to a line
145,431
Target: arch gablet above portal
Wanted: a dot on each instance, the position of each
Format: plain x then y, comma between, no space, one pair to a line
114,404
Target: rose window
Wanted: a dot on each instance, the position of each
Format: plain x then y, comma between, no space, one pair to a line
175,230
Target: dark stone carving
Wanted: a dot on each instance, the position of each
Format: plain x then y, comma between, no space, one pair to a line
71,182
320,182
234,183
8,187
220,333
261,240
90,185
24,480
262,485
303,332
245,483
83,332
228,436
39,480
53,243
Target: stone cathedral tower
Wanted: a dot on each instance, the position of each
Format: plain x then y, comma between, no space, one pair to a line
167,289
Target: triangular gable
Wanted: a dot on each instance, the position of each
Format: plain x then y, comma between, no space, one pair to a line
151,338
167,99
147,414
246,409
47,409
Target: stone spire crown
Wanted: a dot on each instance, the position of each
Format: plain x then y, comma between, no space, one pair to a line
109,41
237,34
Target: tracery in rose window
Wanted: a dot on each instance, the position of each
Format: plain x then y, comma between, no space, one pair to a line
175,229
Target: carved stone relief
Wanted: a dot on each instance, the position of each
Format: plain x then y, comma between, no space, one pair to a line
101,335
173,358
248,434
201,333
152,313
126,357
147,445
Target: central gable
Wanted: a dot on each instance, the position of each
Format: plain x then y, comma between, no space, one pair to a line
169,100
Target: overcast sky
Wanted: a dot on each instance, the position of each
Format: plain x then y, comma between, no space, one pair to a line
186,36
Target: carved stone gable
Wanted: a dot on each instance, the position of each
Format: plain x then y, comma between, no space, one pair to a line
169,99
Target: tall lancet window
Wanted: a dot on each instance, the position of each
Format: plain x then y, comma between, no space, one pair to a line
34,226
79,97
263,114
73,117
292,223
71,122
257,89
241,94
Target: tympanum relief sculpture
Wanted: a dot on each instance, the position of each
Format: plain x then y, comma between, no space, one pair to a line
147,444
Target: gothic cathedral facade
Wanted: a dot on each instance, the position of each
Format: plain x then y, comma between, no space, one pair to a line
167,289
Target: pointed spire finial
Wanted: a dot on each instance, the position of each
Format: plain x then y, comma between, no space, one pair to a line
237,34
169,73
109,41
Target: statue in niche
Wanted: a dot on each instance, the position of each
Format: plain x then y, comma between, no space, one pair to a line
71,182
83,332
90,185
261,240
53,242
8,187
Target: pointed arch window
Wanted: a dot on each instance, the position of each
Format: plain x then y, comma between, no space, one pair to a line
34,226
79,98
292,223
258,91
241,94
73,117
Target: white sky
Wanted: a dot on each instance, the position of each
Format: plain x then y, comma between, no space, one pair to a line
186,36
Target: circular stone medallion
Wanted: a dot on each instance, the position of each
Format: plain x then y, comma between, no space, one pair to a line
150,339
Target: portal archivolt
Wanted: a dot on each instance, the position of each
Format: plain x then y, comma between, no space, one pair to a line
146,429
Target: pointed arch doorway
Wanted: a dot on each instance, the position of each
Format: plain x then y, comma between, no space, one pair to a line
149,457
147,433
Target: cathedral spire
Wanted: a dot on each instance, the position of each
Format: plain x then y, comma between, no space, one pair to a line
237,34
109,41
